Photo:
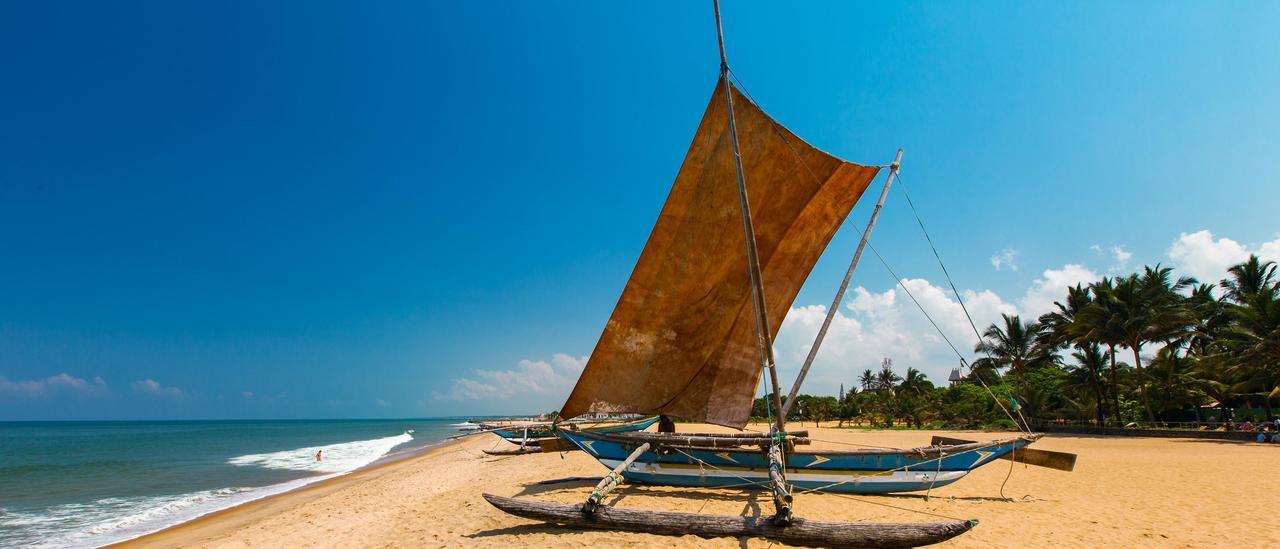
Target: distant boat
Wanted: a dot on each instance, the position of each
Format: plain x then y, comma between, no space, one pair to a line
532,434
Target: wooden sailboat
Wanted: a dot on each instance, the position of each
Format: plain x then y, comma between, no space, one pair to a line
752,207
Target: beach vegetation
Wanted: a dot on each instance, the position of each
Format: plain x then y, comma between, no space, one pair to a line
1150,347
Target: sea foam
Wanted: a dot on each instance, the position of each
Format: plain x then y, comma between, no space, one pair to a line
335,458
112,520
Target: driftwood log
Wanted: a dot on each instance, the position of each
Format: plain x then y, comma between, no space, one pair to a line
1061,461
809,533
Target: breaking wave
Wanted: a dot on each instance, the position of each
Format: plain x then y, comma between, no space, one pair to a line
334,458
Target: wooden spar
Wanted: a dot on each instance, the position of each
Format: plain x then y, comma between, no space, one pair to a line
557,445
516,452
704,441
802,532
524,440
1062,461
778,483
765,339
612,480
844,286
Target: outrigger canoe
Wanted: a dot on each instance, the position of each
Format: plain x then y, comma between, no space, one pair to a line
703,461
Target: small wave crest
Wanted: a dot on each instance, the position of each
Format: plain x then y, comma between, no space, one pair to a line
335,458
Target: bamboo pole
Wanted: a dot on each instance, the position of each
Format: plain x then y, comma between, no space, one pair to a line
844,286
764,341
612,480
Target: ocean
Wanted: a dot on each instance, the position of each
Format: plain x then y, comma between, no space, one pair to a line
87,484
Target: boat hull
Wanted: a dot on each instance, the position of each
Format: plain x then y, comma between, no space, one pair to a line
869,472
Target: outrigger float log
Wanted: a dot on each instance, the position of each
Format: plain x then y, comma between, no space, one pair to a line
692,336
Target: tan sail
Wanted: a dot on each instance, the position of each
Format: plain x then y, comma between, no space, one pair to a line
682,340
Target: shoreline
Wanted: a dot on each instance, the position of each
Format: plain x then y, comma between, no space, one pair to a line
226,519
1125,491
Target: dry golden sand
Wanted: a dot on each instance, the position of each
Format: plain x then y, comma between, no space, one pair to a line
1125,492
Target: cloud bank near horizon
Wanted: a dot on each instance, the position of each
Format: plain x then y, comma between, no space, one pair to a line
873,325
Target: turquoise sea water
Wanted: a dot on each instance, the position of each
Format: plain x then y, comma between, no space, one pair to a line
85,484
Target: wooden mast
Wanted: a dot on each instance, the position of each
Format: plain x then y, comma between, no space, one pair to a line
844,286
753,260
777,457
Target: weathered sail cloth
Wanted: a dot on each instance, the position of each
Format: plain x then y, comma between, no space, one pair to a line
682,340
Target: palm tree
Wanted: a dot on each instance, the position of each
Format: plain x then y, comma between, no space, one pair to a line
1211,318
1137,310
867,380
1086,373
1095,323
1061,330
1249,278
1015,346
887,379
914,383
885,382
1175,381
912,396
1254,342
1057,325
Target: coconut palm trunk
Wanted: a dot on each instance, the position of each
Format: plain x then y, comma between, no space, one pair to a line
1099,397
1142,383
1115,386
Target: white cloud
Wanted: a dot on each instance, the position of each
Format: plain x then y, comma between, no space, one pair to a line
530,378
1200,255
1122,259
246,394
876,325
154,388
37,388
887,324
1051,287
381,403
1005,258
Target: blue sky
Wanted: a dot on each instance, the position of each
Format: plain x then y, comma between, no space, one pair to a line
302,209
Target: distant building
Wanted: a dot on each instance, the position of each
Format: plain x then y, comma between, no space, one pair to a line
956,377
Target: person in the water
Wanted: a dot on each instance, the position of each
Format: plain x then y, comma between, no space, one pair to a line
318,455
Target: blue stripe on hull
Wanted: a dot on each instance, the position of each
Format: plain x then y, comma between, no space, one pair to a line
869,473
695,481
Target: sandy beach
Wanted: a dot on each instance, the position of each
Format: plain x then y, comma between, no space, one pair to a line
1125,492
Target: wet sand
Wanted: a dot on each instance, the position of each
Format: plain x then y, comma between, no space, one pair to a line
1124,492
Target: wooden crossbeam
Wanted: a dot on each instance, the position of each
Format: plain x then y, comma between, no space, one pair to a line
1061,461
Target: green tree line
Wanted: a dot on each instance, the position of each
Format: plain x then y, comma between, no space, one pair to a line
1142,347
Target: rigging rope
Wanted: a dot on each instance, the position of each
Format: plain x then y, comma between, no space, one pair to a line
902,187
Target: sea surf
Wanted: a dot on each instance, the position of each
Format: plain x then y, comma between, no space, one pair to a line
89,484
